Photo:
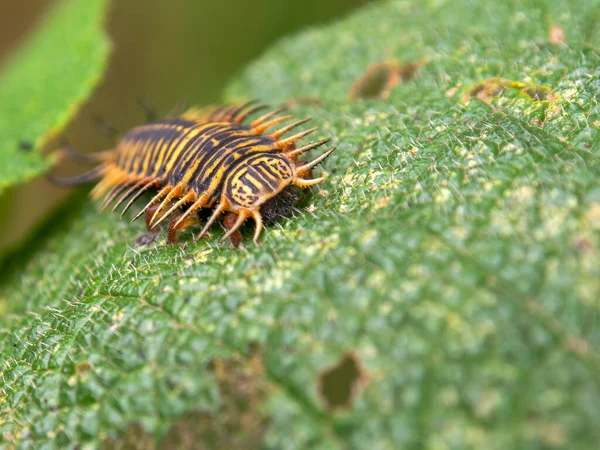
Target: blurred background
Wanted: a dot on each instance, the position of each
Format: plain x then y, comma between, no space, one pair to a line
163,52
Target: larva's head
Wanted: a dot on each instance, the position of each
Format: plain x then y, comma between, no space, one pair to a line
258,180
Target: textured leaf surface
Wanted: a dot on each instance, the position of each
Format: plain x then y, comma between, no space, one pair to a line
46,80
449,267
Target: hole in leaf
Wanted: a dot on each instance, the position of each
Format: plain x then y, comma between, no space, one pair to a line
340,384
380,78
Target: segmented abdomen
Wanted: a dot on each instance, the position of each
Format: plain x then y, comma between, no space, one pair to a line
199,155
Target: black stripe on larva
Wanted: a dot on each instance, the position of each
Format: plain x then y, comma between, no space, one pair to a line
203,151
149,148
202,147
240,165
170,137
171,149
209,151
187,154
261,176
223,155
232,164
159,136
229,158
200,173
267,170
25,146
250,186
183,156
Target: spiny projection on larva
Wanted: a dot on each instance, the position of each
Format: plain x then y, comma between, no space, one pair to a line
203,161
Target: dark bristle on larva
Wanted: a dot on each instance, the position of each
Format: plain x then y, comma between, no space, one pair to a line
280,206
205,165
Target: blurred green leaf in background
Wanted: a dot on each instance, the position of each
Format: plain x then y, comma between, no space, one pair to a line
440,291
44,83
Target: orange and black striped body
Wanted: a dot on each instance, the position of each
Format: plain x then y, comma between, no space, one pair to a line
198,154
204,161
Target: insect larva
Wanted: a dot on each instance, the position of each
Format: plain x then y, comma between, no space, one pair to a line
200,162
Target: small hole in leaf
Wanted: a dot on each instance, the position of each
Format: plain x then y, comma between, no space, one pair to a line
379,79
339,385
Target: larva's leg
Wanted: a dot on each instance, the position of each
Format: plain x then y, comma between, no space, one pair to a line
299,164
149,214
229,222
175,226
234,221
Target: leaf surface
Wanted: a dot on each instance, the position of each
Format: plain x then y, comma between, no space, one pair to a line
447,272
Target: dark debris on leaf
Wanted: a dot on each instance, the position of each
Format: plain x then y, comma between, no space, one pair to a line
25,146
146,239
238,423
492,88
133,437
540,93
301,101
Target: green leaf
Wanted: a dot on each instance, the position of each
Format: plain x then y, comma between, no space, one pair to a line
45,82
441,290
